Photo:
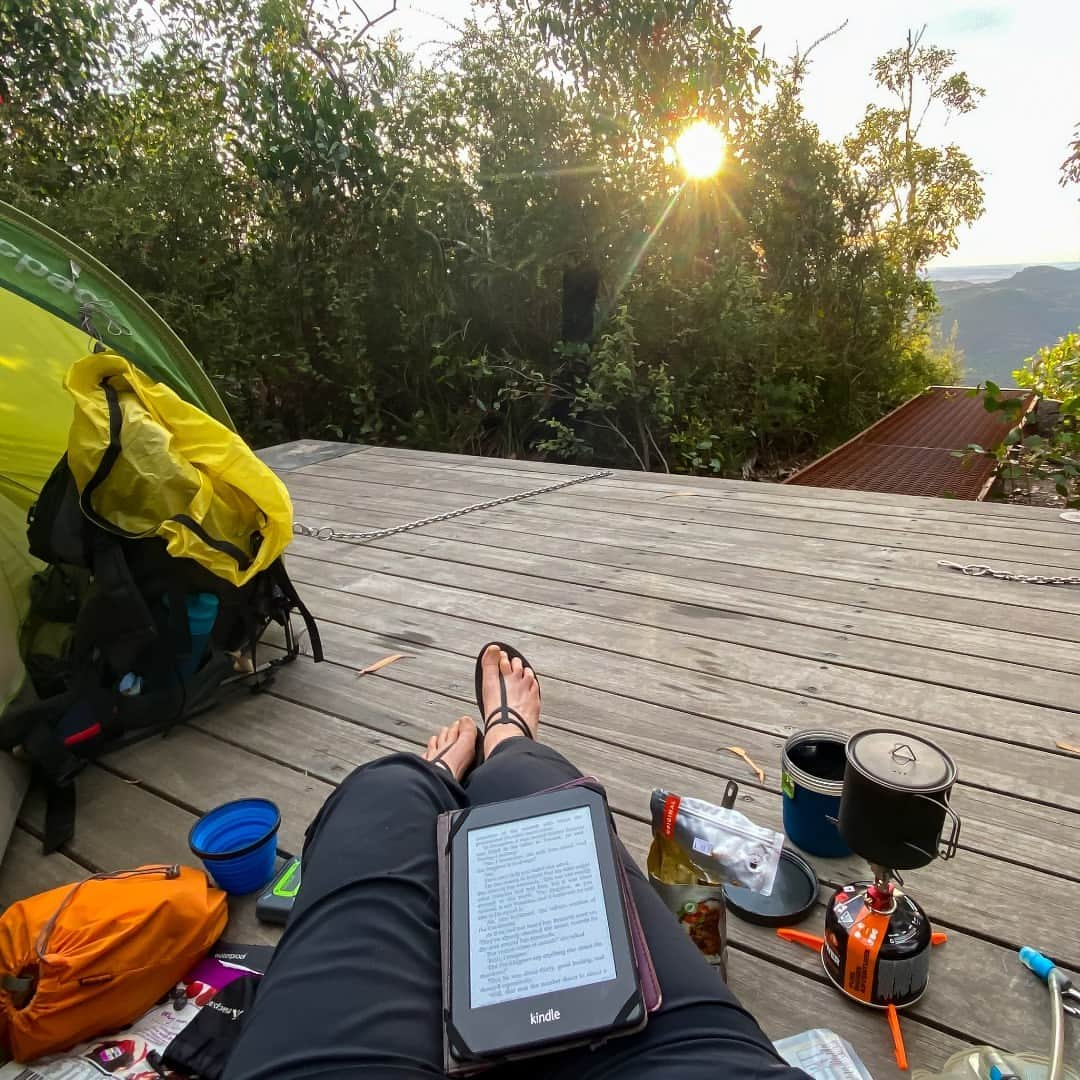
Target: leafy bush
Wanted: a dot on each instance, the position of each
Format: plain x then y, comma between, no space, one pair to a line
360,246
1053,373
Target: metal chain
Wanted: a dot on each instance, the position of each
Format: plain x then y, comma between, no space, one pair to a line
977,570
327,532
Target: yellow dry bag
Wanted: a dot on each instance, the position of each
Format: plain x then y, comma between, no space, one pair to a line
146,463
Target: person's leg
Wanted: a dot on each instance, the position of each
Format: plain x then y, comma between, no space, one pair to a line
516,768
700,1029
355,984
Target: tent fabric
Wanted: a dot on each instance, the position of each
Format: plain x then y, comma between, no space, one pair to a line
36,350
59,277
150,464
17,566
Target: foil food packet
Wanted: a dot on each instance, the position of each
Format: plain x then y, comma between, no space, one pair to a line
697,841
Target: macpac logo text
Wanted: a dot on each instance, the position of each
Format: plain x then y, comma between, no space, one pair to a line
233,1014
545,1017
27,264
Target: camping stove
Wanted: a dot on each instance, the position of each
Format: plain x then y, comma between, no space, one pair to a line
893,809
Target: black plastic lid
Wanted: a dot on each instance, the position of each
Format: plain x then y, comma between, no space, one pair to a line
793,896
900,761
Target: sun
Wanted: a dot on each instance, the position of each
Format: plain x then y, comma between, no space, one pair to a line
700,150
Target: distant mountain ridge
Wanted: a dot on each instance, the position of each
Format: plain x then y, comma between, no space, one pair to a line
1000,323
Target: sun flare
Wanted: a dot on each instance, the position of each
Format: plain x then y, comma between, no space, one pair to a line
700,150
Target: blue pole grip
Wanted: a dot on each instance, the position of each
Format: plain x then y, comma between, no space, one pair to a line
1038,963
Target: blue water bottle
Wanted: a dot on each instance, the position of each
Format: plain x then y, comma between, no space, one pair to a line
202,610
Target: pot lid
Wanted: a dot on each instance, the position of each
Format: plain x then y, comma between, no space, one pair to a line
901,761
793,897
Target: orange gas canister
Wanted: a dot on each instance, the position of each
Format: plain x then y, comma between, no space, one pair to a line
91,957
878,957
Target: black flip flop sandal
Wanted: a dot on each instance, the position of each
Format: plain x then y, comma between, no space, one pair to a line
438,760
502,712
444,766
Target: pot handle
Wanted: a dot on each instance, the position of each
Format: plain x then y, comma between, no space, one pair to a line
948,850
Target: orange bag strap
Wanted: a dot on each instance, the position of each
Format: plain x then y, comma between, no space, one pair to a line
169,872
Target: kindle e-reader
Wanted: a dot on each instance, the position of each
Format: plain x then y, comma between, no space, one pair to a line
538,946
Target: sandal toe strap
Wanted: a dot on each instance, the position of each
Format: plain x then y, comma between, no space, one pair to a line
504,714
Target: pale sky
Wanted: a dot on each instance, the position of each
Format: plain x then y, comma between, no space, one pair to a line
1022,53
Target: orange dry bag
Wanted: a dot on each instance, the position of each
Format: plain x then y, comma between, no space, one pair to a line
88,958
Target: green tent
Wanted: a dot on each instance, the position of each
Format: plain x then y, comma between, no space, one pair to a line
57,303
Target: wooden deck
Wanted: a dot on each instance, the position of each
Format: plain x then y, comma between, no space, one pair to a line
670,618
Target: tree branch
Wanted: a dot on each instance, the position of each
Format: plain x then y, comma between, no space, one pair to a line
537,381
659,453
613,427
800,61
320,54
369,22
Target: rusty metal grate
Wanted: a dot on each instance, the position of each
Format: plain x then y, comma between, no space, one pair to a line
910,451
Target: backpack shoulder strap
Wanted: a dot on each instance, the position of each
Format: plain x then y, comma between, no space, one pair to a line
60,806
37,728
282,580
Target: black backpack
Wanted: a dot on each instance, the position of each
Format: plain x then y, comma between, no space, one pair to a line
108,646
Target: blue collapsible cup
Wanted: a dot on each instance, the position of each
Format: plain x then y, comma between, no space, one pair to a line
237,843
812,780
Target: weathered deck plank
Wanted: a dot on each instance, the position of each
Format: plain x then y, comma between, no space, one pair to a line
912,503
670,580
686,562
682,666
716,522
666,627
658,501
909,570
701,609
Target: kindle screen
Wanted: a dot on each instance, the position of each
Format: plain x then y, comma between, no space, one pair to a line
537,918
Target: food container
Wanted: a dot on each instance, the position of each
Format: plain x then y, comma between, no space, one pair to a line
701,913
896,799
812,780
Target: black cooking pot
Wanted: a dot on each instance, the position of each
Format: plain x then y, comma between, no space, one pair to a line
896,798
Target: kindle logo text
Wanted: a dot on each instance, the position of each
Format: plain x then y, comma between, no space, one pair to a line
545,1017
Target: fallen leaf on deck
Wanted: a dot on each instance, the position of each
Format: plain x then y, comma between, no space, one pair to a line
1071,747
386,661
738,751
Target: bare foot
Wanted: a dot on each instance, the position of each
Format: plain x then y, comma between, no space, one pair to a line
522,695
454,746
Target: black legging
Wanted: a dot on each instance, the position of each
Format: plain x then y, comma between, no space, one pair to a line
354,987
